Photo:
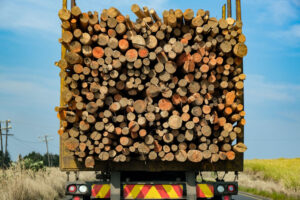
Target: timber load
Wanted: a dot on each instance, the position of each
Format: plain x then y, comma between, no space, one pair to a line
166,88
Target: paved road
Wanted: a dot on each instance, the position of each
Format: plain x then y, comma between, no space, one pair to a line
247,196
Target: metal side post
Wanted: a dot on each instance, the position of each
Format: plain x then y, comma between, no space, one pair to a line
115,185
191,185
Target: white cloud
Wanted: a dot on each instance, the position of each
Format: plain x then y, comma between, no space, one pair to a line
20,15
41,15
259,90
23,89
290,36
277,12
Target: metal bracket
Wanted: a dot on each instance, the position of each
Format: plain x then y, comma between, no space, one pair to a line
191,185
115,186
236,177
68,176
76,175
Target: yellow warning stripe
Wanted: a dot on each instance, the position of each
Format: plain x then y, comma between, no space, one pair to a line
103,191
152,194
135,191
171,192
163,191
206,190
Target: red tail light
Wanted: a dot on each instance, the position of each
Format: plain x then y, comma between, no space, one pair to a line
72,188
76,198
226,198
231,188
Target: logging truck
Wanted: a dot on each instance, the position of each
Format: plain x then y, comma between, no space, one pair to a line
150,105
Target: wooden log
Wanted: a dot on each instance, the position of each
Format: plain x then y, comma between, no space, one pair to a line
168,138
194,156
64,14
131,55
240,50
71,144
137,11
89,162
151,42
143,148
139,106
226,147
188,15
103,156
175,122
154,15
126,141
73,58
181,156
239,147
165,105
230,155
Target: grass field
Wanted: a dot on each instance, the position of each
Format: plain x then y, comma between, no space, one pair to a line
286,171
278,179
17,184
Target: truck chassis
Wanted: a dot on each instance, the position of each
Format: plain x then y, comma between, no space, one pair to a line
151,185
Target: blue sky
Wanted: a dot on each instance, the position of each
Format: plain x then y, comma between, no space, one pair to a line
29,81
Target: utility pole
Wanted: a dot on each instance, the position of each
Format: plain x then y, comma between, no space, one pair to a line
6,135
1,138
2,154
7,127
46,139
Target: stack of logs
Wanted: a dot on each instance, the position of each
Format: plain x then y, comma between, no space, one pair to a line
168,89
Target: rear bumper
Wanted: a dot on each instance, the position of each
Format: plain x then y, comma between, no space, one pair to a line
204,190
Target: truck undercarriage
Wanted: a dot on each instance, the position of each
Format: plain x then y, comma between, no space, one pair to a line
152,185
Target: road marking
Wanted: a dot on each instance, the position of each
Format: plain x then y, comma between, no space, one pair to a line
249,195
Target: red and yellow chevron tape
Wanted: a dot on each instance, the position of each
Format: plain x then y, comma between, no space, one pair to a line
205,191
101,191
165,191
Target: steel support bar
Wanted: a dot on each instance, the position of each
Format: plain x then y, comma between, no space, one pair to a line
229,8
238,10
62,83
73,3
224,11
115,185
191,193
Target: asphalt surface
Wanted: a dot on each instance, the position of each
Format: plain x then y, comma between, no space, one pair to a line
247,196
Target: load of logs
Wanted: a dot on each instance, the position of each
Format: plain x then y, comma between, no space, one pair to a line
168,89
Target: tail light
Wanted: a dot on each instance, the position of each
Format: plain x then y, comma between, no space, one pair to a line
83,189
72,188
76,198
231,188
226,198
220,189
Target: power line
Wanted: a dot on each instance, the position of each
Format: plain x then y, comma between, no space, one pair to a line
26,141
24,145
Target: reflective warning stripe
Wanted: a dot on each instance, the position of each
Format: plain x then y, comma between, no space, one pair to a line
141,191
205,190
101,191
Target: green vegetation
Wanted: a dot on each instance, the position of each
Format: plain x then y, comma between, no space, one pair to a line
273,195
6,160
37,157
286,171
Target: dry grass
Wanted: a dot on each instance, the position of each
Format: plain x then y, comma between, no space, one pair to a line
17,184
284,171
277,178
48,184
